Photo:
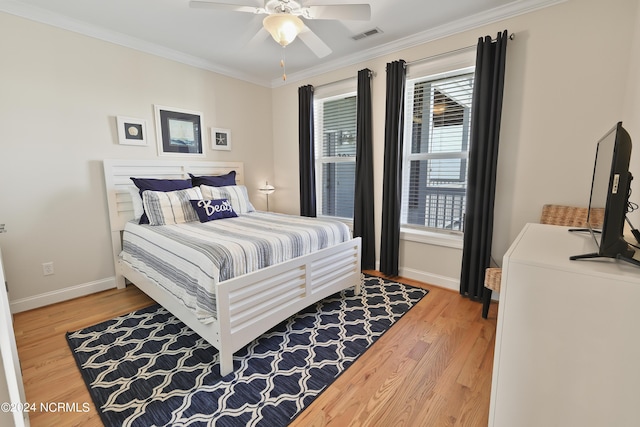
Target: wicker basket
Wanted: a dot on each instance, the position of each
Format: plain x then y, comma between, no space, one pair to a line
570,216
492,278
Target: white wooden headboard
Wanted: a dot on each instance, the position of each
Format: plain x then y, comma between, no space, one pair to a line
117,174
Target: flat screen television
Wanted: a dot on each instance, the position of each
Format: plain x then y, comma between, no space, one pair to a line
609,198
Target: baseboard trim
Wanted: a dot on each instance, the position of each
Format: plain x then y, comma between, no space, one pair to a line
434,279
37,301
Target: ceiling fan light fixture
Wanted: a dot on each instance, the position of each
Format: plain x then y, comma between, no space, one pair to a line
283,27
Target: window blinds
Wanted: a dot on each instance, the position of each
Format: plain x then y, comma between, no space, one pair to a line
335,142
436,150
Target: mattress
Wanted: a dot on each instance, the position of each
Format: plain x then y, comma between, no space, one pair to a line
190,259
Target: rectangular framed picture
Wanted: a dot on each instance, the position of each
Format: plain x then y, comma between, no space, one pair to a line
220,139
179,132
131,131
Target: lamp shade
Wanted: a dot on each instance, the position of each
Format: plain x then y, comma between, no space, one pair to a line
267,188
283,27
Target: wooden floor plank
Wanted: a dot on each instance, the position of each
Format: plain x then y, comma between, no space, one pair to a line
433,368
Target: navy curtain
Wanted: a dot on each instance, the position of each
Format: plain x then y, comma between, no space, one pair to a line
363,218
483,161
392,173
306,152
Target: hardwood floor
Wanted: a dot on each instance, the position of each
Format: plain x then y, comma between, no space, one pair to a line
433,368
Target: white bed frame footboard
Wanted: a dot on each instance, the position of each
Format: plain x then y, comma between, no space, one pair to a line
248,305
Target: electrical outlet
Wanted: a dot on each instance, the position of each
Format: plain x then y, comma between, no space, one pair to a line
47,268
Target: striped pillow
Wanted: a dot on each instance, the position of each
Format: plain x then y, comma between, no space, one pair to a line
236,194
171,207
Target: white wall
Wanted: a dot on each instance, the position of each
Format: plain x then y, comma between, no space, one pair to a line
567,74
59,95
631,116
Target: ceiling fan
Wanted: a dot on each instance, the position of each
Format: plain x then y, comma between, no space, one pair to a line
283,19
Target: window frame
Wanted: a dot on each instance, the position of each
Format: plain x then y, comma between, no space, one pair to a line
322,95
449,65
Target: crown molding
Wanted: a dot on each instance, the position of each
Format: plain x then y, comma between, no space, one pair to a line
451,28
66,23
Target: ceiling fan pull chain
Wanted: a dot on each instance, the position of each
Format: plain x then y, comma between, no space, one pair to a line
282,64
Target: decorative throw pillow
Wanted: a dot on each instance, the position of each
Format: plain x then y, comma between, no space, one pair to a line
214,180
153,184
236,194
209,210
170,207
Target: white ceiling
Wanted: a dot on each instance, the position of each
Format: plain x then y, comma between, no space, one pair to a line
218,40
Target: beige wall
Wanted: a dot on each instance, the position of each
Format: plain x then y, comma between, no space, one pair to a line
59,95
567,74
631,116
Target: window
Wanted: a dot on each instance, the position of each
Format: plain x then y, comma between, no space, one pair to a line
335,141
437,127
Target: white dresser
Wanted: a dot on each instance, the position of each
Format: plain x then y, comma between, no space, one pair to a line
568,335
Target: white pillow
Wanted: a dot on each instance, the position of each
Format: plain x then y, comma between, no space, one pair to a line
136,201
236,194
171,207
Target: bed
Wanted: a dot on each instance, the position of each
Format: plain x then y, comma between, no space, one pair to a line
247,304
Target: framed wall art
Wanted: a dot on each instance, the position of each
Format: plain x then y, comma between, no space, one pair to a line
220,139
131,131
179,131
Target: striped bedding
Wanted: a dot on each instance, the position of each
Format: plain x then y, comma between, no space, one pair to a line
189,259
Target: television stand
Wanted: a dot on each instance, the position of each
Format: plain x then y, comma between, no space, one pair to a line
586,256
595,255
629,260
583,230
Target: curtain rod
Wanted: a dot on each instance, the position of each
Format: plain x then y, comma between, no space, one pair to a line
371,75
462,49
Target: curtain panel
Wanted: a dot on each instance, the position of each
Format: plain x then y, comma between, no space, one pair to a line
483,161
392,173
363,215
306,152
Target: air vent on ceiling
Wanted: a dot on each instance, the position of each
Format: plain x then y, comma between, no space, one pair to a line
368,33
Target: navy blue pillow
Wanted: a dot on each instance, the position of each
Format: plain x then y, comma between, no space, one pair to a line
163,185
208,210
214,180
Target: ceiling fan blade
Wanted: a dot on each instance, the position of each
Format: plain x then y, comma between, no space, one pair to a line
348,12
258,38
203,4
314,43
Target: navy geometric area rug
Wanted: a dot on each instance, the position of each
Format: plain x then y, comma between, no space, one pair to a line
147,368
